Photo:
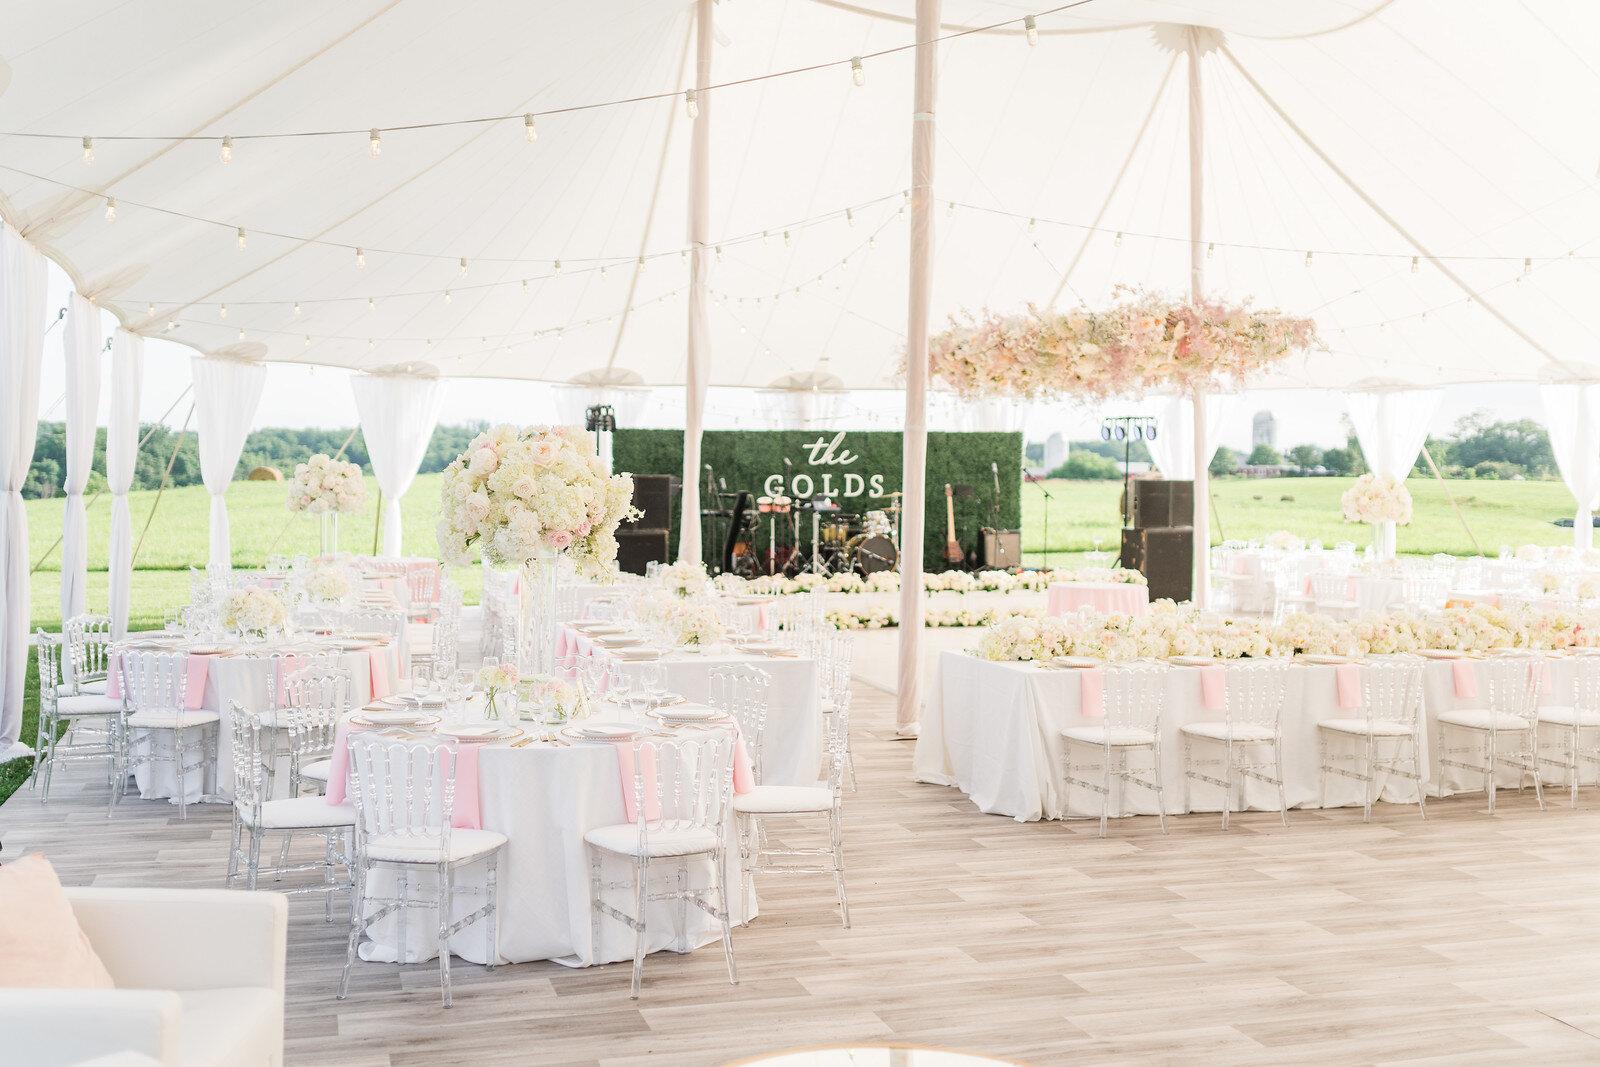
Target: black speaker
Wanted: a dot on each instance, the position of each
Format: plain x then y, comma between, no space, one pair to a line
636,548
1163,503
652,494
1164,556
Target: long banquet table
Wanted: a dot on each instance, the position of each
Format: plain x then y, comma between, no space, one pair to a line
993,730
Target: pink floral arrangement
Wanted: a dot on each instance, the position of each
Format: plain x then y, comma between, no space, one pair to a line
1144,343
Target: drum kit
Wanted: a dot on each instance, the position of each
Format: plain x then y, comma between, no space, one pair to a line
840,542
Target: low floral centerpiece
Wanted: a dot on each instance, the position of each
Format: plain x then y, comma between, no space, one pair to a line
327,487
328,584
498,681
253,612
696,626
685,578
554,699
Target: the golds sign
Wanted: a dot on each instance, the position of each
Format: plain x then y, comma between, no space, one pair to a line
815,474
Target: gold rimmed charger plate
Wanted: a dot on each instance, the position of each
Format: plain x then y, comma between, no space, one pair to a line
423,722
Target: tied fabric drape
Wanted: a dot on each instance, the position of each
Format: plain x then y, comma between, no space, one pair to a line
122,453
398,413
226,392
82,345
1571,410
1172,451
1392,426
22,322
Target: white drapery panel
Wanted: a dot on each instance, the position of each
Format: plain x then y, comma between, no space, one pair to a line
22,315
82,344
1571,411
398,413
226,392
122,453
1172,451
1392,425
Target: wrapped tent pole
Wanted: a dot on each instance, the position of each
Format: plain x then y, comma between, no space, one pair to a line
1202,472
697,369
915,459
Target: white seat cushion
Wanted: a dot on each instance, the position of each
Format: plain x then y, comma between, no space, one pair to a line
304,813
623,839
464,845
318,771
229,1025
1482,719
88,704
1221,731
1380,727
1569,717
419,635
782,799
171,718
1099,735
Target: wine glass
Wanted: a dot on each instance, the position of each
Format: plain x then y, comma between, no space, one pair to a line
653,680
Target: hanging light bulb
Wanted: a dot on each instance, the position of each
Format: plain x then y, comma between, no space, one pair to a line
1416,263
528,129
227,149
602,272
719,253
558,268
950,209
361,257
447,296
376,141
787,240
1308,259
1424,316
372,304
370,345
849,216
857,75
150,309
641,264
872,242
88,149
1211,249
1527,265
297,307
463,270
766,237
1118,242
683,255
844,264
111,209
691,103
241,333
172,324
524,285
1031,28
1031,224
308,340
241,238
222,310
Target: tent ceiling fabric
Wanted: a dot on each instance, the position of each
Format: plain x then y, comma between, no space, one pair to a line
1474,135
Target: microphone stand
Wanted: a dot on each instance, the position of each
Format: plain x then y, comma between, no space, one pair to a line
1047,499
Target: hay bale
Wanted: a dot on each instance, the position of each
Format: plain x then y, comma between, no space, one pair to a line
266,474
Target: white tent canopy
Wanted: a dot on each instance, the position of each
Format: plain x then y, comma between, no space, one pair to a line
1365,133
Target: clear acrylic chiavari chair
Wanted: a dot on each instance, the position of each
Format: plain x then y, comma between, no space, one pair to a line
1390,717
1504,734
404,795
315,699
155,689
1250,735
255,816
88,640
72,729
682,785
1571,722
1134,696
835,659
745,693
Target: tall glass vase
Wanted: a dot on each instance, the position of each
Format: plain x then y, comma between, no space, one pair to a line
329,531
536,634
1383,541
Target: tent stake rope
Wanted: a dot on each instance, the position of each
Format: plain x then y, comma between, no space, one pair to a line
1448,496
165,476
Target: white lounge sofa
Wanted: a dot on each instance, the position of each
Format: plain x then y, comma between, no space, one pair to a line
199,977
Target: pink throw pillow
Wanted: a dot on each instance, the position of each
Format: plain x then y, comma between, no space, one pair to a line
41,944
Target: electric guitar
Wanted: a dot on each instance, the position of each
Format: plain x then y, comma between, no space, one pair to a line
952,547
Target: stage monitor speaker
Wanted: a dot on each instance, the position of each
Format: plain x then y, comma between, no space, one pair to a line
1165,557
1001,549
636,548
652,494
1163,503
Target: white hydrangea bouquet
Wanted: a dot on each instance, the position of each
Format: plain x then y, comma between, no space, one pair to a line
685,578
253,611
322,485
1377,498
696,626
327,584
555,699
516,495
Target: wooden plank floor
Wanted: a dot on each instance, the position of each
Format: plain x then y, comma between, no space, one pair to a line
1463,939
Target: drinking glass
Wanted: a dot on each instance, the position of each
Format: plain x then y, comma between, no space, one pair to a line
173,619
653,680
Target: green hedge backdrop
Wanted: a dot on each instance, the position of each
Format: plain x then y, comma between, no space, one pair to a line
745,458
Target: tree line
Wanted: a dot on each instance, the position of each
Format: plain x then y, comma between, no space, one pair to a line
278,447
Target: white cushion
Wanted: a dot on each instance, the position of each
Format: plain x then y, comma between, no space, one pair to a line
304,813
1569,717
171,718
1380,727
397,848
229,1025
623,839
318,771
781,799
419,634
1221,731
1482,719
88,704
1099,735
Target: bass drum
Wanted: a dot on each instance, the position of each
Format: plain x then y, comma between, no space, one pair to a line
873,553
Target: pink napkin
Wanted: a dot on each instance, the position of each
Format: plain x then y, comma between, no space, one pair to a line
1544,678
1214,688
1347,679
1092,692
197,669
1465,677
378,671
744,777
467,813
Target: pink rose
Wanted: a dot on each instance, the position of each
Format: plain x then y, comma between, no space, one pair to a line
484,461
558,539
583,529
542,453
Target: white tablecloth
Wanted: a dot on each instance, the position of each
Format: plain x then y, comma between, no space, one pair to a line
994,731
